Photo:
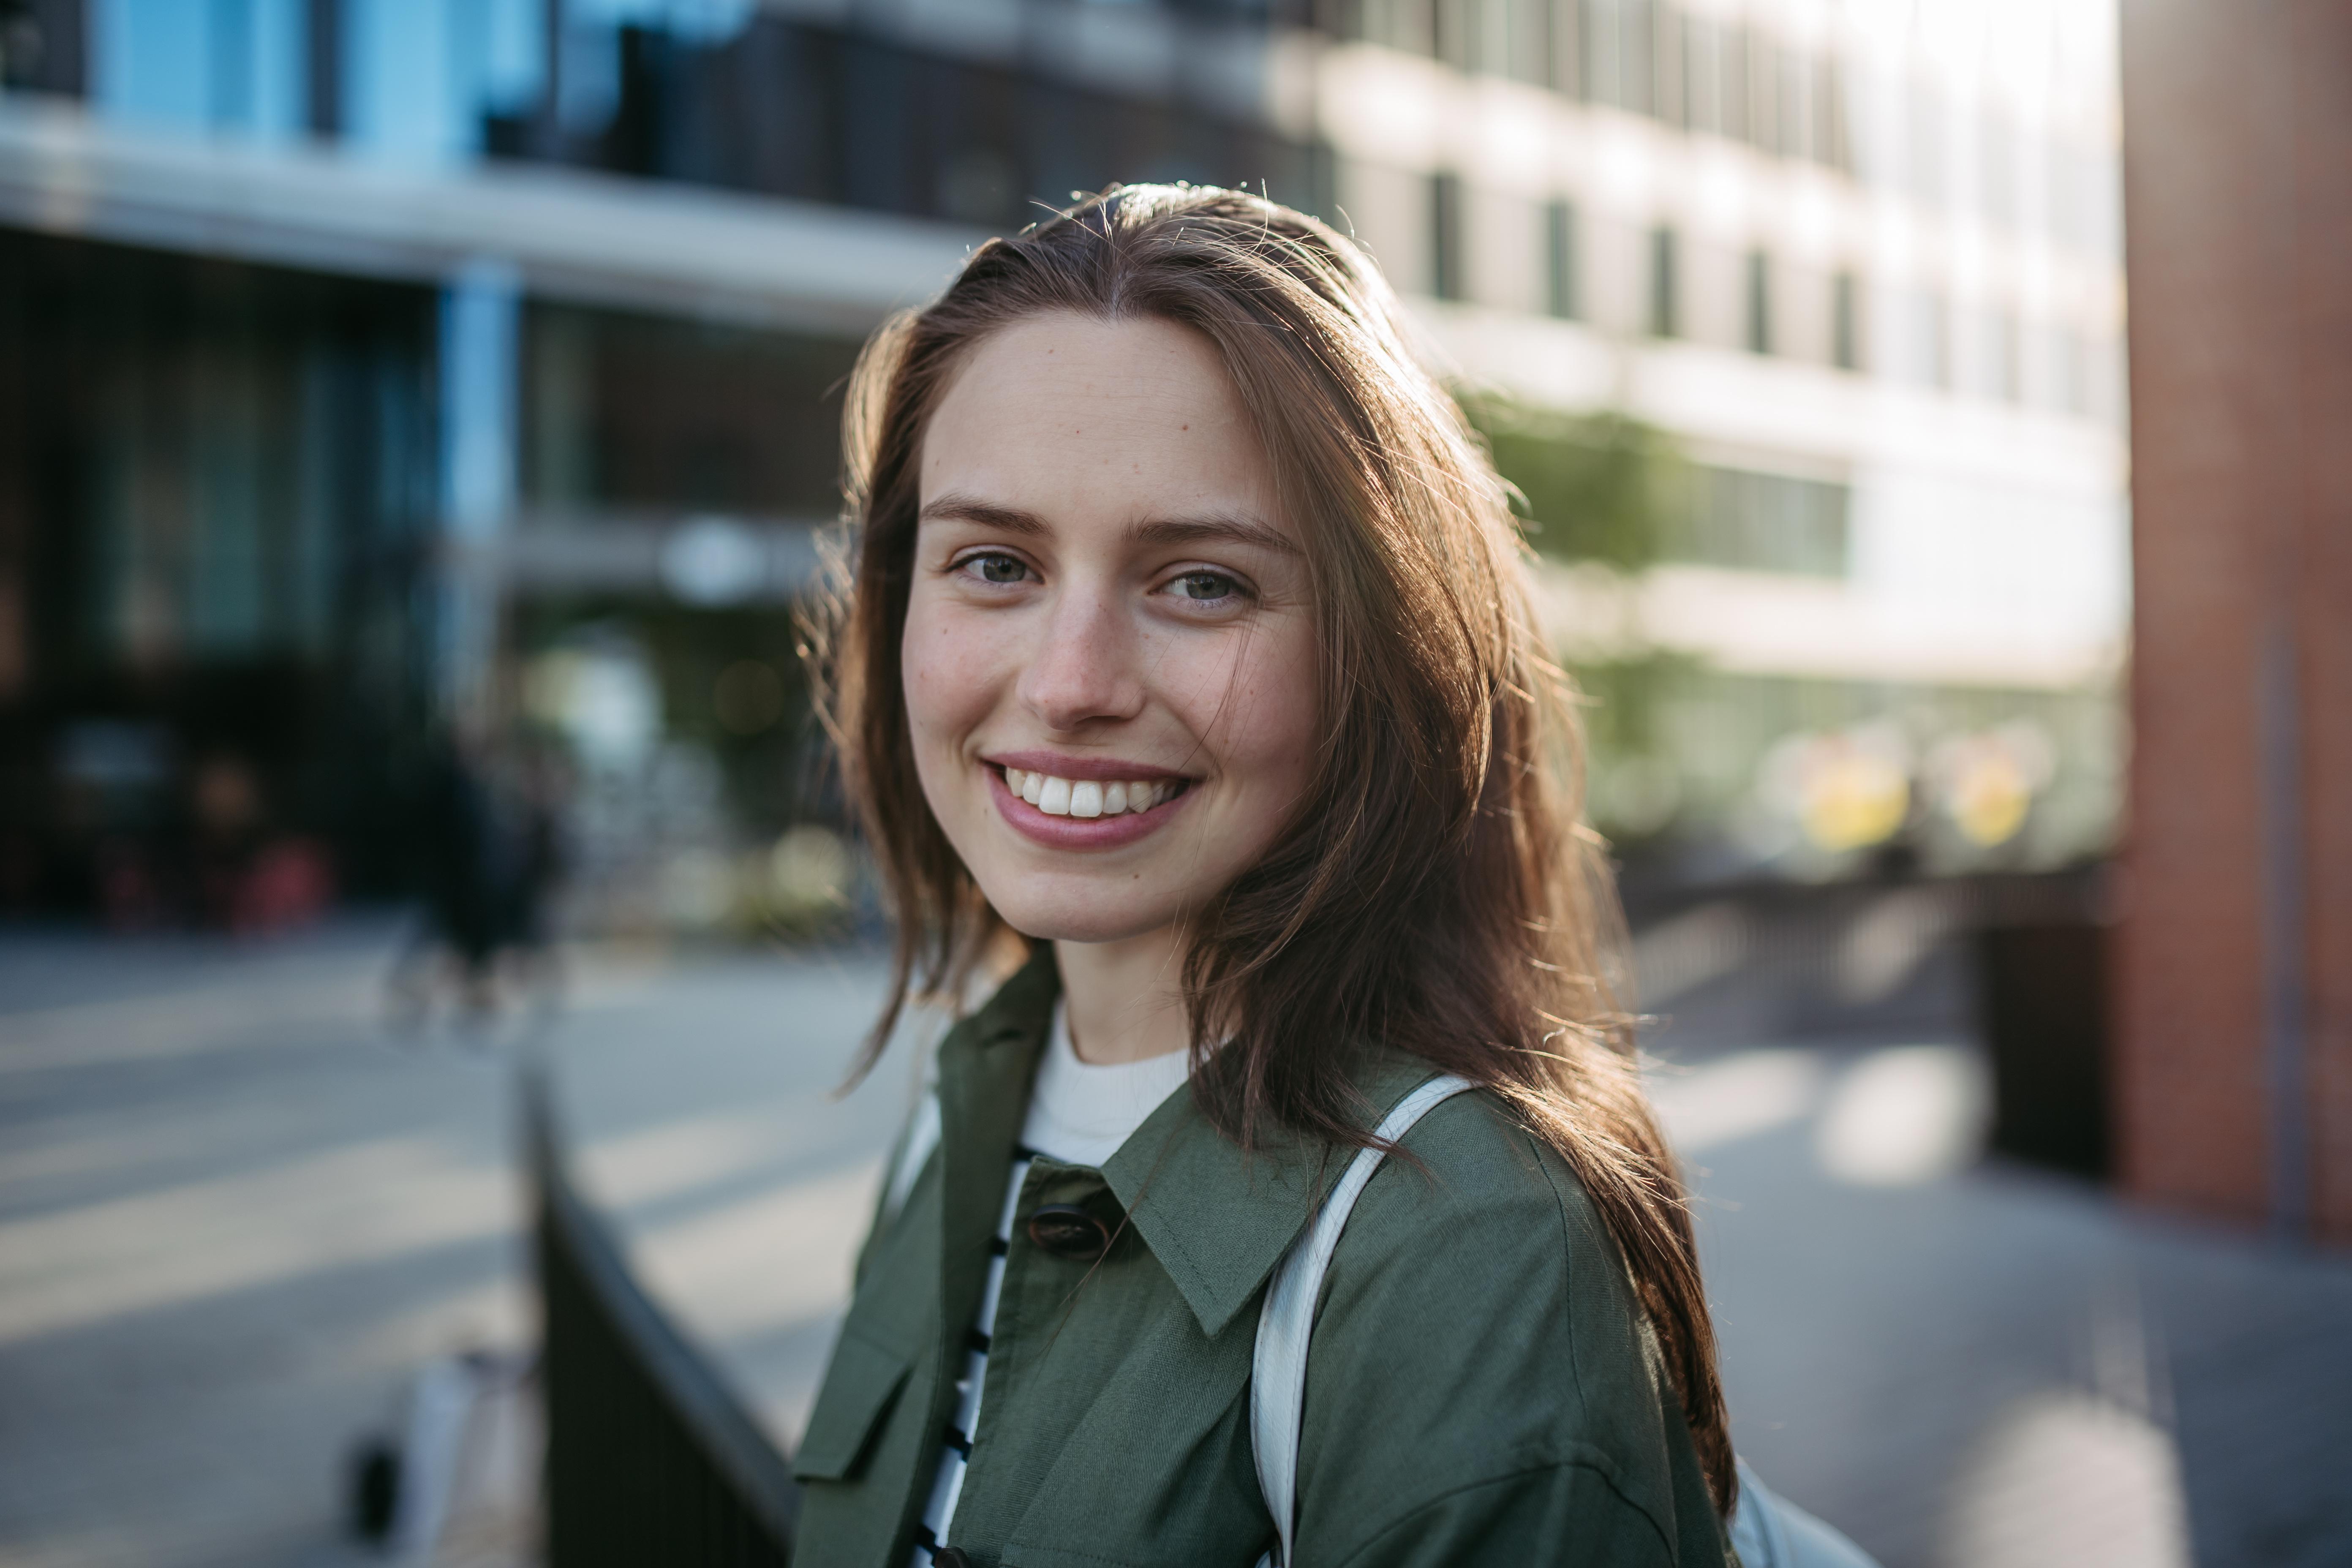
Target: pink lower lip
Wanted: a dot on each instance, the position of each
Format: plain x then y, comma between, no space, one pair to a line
1077,832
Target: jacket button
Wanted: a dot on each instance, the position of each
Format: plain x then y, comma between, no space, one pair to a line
1068,1231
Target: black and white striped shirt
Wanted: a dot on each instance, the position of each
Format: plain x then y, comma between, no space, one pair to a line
1079,1114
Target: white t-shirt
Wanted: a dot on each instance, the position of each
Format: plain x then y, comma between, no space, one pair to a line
1079,1114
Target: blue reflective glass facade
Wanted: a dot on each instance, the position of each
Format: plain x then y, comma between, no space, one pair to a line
226,65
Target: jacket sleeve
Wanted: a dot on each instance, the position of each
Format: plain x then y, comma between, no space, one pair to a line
1567,1515
1481,1386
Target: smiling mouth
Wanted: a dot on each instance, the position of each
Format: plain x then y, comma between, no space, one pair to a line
1057,796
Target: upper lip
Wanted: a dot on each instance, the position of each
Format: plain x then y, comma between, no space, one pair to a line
1103,770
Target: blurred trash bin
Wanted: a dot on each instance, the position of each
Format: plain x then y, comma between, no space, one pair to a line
2042,1002
457,1483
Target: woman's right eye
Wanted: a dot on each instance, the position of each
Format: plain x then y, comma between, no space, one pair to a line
993,566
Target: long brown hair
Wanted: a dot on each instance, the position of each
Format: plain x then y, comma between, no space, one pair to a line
1434,891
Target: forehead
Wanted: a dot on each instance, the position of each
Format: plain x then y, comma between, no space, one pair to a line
1067,411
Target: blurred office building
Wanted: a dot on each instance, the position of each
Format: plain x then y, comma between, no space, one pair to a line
381,375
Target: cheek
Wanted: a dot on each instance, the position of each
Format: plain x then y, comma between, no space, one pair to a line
945,669
1266,726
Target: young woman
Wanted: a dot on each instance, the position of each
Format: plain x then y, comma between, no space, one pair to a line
1187,648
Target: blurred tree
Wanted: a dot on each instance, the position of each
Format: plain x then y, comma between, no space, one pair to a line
1637,784
1625,697
1603,487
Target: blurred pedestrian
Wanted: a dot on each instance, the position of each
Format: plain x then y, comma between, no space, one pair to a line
492,855
1188,650
537,860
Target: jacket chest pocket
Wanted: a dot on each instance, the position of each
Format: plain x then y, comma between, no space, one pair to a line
859,1389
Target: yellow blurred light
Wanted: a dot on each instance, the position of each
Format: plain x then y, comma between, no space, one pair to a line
1989,797
1851,797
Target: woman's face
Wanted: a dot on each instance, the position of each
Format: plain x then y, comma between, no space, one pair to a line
1109,655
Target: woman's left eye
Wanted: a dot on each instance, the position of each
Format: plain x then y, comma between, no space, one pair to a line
994,567
1206,587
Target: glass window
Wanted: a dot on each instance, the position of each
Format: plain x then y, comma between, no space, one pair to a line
1447,278
1525,49
1731,81
1763,523
1794,90
1407,25
1560,276
1669,66
1460,36
1665,283
1831,146
231,65
1565,19
1762,62
1617,39
638,413
1702,55
1759,302
235,447
1845,321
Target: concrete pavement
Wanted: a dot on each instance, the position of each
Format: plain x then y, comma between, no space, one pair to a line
1973,1364
234,1215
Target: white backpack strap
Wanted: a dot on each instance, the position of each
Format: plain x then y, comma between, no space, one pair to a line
1278,1371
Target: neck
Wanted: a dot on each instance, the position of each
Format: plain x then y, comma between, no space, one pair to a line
1123,998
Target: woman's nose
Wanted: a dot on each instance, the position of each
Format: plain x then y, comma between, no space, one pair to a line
1083,667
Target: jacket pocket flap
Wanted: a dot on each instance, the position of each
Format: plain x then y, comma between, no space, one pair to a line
857,1390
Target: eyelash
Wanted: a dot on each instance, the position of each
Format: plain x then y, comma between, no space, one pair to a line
964,565
1237,588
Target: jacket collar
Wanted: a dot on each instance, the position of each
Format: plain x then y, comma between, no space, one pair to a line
1217,1217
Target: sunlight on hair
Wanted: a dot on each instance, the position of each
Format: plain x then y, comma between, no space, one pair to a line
1904,1116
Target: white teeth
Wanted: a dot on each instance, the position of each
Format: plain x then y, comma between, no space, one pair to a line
1086,797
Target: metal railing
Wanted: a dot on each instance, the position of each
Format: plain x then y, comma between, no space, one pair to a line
651,1458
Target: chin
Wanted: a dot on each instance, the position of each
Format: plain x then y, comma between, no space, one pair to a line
1046,916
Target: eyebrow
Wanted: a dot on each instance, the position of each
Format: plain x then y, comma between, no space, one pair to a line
1229,528
954,508
1214,527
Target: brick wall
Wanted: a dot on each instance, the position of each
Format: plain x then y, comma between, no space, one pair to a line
2235,956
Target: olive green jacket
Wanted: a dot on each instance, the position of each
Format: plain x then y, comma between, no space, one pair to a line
1481,1388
